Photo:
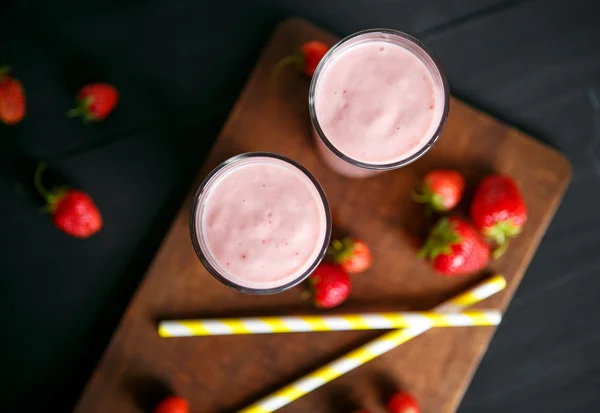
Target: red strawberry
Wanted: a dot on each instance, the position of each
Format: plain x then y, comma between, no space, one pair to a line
12,98
75,213
95,102
72,211
498,210
403,402
313,52
173,404
455,248
306,59
330,285
352,254
441,189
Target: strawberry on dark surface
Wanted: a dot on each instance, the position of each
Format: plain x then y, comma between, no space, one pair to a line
95,102
352,254
72,211
306,59
455,248
172,404
441,189
498,210
12,98
403,402
75,213
330,285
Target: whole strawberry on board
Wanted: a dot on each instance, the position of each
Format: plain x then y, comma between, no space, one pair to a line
12,98
306,59
441,189
498,210
455,248
72,210
329,285
352,254
95,102
172,404
402,402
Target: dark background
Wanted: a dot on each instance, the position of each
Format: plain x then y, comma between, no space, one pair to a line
179,66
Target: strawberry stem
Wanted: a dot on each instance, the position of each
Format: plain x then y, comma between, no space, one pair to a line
83,109
75,112
501,232
286,61
37,181
440,240
500,250
4,70
335,248
420,198
424,195
341,250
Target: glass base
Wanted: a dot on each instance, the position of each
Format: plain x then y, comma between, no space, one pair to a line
340,166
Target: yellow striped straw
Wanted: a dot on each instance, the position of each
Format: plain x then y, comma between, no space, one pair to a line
368,321
369,351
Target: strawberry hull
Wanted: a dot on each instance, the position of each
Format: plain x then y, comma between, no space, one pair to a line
498,210
454,247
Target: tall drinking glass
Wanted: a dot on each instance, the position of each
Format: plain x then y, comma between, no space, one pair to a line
260,223
378,101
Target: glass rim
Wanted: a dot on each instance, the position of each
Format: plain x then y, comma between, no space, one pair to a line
196,236
352,161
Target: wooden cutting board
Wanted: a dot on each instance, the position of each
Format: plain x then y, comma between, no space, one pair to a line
223,374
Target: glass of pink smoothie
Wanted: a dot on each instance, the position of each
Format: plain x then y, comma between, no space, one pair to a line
378,101
260,223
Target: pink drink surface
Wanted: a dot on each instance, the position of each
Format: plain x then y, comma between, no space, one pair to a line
377,103
263,222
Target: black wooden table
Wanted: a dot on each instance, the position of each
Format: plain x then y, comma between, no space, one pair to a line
179,66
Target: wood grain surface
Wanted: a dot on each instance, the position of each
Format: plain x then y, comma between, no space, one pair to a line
223,374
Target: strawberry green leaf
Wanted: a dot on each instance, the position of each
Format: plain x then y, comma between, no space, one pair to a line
342,250
500,233
424,195
440,240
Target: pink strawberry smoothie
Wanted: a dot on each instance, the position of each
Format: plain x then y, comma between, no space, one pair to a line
263,221
378,103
